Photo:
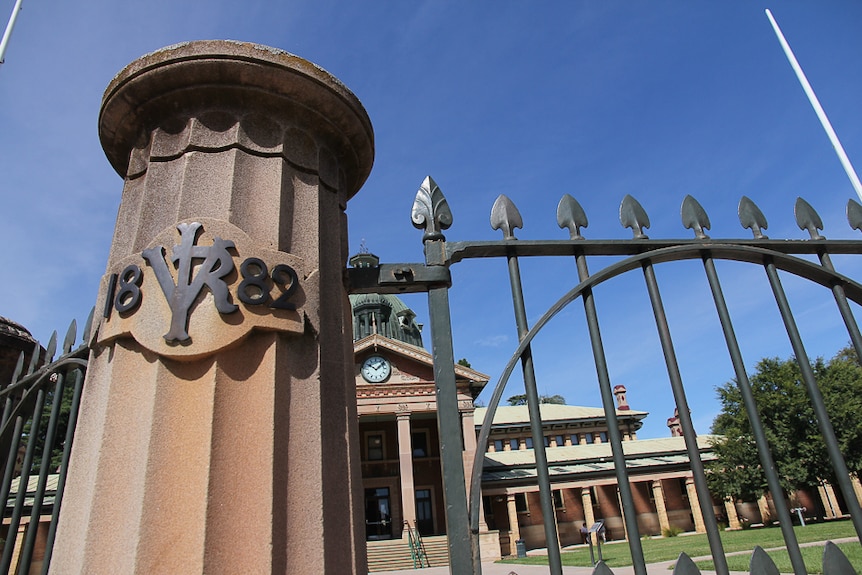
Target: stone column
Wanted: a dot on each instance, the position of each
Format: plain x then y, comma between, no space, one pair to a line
514,528
660,505
830,503
763,506
587,499
218,426
732,515
468,426
857,487
694,503
405,466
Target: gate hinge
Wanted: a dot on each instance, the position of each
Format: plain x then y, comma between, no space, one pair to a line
397,278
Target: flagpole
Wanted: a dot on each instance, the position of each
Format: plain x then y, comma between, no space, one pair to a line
824,121
5,41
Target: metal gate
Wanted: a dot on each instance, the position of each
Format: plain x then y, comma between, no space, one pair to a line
40,411
431,212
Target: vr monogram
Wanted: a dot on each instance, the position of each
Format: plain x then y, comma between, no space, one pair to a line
198,267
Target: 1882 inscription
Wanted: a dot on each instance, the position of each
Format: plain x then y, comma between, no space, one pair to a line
195,269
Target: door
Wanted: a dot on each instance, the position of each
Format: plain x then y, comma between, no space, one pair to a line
424,512
378,517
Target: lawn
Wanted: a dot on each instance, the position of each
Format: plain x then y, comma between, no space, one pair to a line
616,554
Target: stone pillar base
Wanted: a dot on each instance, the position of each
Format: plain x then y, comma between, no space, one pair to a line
489,546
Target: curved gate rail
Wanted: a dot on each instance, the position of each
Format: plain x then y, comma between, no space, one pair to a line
39,414
431,212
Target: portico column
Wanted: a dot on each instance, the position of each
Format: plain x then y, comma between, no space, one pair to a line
857,487
732,515
587,500
694,503
763,506
660,505
405,466
514,528
830,504
217,429
468,426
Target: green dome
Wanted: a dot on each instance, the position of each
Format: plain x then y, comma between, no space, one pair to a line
385,315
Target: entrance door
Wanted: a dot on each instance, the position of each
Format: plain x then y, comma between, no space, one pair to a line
424,512
378,517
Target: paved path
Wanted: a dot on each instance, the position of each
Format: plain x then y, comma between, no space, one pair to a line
663,568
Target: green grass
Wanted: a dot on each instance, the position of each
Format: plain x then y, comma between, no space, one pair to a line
813,557
616,554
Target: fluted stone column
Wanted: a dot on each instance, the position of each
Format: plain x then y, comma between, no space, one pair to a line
218,429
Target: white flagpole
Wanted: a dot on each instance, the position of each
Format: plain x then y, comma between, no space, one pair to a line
833,137
5,41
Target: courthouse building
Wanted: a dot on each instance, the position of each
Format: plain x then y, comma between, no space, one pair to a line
401,474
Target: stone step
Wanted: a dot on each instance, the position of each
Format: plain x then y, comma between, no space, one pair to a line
393,554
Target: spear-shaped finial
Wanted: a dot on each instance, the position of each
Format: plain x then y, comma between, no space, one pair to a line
751,217
762,563
431,211
632,215
807,218
854,214
685,566
505,216
571,215
835,562
694,217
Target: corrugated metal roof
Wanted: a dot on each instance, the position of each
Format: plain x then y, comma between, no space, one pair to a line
656,449
518,414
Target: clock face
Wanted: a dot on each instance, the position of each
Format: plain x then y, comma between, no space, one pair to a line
375,369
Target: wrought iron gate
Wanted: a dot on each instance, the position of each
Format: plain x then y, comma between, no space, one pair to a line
431,213
40,410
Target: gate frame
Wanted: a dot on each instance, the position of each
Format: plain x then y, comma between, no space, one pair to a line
431,212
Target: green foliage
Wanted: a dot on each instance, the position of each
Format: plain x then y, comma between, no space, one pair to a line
521,399
790,425
62,425
463,362
671,531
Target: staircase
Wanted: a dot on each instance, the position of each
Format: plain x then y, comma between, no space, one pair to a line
394,554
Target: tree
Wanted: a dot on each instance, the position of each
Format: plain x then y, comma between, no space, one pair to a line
790,426
463,362
521,399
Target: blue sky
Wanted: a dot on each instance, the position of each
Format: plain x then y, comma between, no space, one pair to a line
532,100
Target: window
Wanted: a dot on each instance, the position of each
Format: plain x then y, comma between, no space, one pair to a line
521,503
589,437
528,442
561,441
498,445
374,446
576,439
558,499
513,444
603,437
547,441
419,441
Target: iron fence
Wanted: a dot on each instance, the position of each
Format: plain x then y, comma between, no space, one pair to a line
431,212
40,410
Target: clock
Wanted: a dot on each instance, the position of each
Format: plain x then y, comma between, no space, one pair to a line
375,369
